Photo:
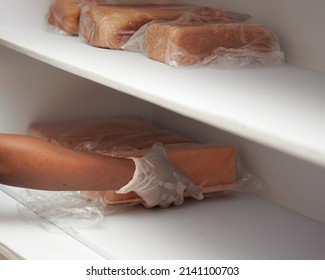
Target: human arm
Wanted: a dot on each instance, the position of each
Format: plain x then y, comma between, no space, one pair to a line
32,163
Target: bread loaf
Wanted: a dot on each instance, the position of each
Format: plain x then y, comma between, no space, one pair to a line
110,26
181,43
64,15
213,167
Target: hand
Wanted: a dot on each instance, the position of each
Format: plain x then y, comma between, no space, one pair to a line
158,182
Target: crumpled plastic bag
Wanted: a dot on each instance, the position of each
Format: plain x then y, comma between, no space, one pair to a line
68,209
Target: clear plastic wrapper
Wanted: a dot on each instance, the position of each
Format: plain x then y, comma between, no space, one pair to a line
110,26
63,15
194,40
68,209
64,208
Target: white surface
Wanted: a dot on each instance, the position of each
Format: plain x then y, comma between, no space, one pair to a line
237,227
240,226
45,93
280,107
36,238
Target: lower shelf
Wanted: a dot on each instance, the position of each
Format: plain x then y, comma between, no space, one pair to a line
34,238
238,226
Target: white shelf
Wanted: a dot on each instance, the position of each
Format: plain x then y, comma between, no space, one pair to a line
240,226
280,107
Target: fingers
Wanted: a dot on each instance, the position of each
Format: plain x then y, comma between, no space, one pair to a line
195,191
164,196
158,182
157,152
179,200
190,187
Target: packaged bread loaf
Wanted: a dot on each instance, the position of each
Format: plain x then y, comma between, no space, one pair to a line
190,40
64,15
110,26
213,167
201,43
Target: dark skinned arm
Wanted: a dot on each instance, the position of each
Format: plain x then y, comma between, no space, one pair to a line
32,163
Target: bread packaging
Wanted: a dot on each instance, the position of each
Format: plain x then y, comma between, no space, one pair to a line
64,15
189,40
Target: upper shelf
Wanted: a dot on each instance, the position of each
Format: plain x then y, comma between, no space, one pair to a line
282,107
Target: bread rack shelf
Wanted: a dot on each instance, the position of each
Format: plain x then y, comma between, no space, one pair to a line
278,107
237,101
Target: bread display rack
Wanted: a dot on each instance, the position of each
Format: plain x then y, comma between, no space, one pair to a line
274,115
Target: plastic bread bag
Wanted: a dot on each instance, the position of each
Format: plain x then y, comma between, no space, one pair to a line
215,168
111,26
63,15
63,208
68,209
192,40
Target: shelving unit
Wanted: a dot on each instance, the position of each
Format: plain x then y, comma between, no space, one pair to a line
275,114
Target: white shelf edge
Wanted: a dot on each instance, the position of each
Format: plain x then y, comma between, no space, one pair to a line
195,109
